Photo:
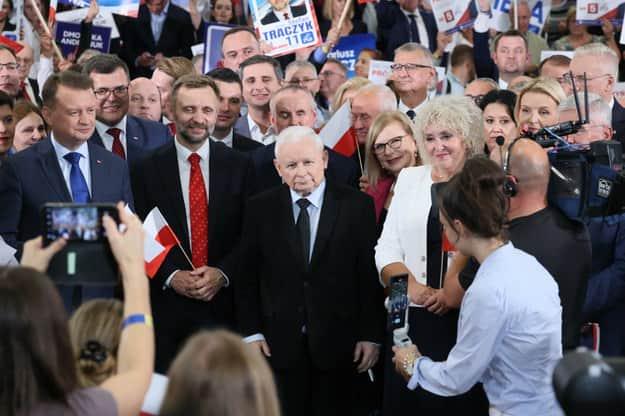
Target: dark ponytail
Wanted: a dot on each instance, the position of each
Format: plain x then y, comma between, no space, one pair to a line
475,197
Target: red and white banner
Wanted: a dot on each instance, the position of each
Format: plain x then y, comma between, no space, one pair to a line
159,239
337,133
592,12
453,15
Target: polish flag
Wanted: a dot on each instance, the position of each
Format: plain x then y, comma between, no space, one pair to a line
337,134
52,12
159,239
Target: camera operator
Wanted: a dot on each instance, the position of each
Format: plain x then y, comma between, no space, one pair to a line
527,166
606,287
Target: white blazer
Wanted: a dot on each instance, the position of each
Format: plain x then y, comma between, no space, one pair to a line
404,236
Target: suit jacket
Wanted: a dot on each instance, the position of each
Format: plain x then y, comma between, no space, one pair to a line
176,38
394,30
272,18
35,87
340,169
337,297
155,180
141,136
244,144
32,177
618,122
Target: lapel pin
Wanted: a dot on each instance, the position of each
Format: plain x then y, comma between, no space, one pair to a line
98,161
135,138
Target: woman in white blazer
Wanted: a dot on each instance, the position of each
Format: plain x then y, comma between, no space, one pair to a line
449,131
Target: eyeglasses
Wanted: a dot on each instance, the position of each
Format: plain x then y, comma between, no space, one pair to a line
330,74
408,67
117,91
579,79
477,99
303,81
11,66
394,143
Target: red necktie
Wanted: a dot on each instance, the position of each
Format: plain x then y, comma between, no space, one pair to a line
118,149
198,207
172,128
24,92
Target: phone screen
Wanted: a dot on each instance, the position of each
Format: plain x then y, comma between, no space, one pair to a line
76,222
398,301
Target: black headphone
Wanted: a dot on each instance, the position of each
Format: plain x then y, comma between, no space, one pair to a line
509,184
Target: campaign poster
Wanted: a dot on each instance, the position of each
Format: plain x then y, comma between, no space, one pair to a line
121,7
453,15
380,71
68,37
284,25
592,12
348,48
103,19
501,14
212,45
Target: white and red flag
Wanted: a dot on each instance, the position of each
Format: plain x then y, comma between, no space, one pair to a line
159,239
337,134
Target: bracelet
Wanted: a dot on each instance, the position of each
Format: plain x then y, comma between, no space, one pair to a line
139,318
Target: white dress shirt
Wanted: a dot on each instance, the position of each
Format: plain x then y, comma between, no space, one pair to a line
404,108
424,39
503,85
107,139
66,167
257,135
280,14
228,140
157,21
509,338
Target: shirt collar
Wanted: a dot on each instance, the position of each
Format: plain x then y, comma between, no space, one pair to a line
255,127
403,107
61,150
184,153
228,140
102,128
407,14
164,11
611,103
503,85
315,198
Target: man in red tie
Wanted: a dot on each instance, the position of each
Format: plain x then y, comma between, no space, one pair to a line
200,187
126,136
29,88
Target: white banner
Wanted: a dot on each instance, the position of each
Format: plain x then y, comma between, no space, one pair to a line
453,15
592,12
540,10
379,71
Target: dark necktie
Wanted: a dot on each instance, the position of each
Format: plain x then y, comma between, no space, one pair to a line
286,16
411,114
198,209
118,149
414,32
80,190
302,226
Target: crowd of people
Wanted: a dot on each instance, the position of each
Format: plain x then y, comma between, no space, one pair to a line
271,299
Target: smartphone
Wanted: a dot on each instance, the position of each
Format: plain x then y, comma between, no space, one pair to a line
398,301
76,222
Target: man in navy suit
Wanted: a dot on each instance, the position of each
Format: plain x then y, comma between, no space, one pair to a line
402,21
127,136
65,167
282,11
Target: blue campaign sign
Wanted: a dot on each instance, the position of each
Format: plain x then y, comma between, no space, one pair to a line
212,45
68,37
348,48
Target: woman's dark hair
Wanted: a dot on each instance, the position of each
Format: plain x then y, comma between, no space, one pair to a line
36,360
475,197
503,97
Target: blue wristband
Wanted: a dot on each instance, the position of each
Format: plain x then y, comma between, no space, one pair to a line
138,318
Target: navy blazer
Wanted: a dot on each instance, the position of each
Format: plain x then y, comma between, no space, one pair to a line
141,136
394,30
244,144
32,177
618,122
341,170
605,296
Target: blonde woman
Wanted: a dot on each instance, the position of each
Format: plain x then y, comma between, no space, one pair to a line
347,91
537,105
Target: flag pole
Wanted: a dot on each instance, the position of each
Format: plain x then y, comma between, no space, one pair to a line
362,169
342,18
516,14
46,29
184,252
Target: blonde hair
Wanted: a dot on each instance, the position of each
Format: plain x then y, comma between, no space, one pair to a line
372,164
328,13
216,373
458,114
176,66
95,329
354,83
541,85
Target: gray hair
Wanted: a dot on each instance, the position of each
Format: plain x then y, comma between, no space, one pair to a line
386,96
417,47
603,54
295,65
600,111
295,134
491,82
293,89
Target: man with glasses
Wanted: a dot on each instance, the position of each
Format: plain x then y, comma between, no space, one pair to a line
9,72
556,67
600,64
29,88
126,136
304,74
413,73
332,75
477,89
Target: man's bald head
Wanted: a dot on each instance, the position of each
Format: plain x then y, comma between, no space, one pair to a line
529,164
145,99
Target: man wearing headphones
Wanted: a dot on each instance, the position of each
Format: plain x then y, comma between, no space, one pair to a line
541,231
